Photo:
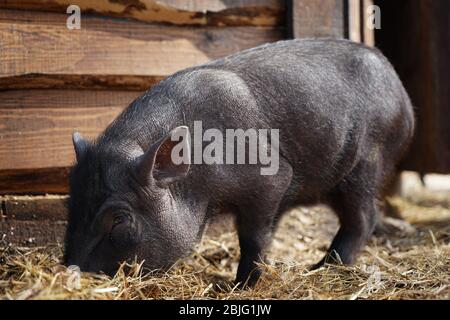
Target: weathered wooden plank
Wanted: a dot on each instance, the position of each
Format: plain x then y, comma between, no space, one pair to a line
34,208
32,233
35,43
367,33
198,12
36,125
51,98
312,18
40,137
354,20
73,81
33,220
34,181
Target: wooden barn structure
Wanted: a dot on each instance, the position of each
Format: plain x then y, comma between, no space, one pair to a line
54,80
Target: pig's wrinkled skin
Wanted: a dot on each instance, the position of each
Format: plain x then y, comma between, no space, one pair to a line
344,118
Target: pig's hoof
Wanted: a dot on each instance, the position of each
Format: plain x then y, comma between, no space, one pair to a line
317,266
389,226
243,285
248,282
330,258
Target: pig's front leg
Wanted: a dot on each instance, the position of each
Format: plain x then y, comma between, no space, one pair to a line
254,235
255,222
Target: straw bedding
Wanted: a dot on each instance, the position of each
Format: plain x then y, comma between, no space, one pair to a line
408,264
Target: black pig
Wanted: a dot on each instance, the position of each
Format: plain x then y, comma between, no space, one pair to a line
344,121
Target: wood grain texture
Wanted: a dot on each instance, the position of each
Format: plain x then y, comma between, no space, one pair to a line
367,33
312,18
34,208
34,181
85,81
33,220
32,233
36,125
179,12
354,20
40,44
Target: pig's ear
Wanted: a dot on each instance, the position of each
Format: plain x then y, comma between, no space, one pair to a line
79,144
168,159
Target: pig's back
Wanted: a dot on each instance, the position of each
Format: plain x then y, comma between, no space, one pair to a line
333,101
336,93
321,81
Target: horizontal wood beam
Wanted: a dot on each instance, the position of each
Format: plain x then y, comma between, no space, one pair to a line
179,12
34,181
32,233
74,81
36,44
34,208
36,125
33,220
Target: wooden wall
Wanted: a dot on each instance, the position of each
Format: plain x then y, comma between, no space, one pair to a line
54,81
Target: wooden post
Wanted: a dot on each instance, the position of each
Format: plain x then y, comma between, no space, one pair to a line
312,18
354,20
367,33
329,18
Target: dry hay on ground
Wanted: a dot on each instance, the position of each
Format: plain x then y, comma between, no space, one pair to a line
399,266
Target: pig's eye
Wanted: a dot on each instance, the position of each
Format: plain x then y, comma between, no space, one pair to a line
119,219
122,233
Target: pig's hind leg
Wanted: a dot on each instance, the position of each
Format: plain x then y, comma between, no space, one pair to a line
354,200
